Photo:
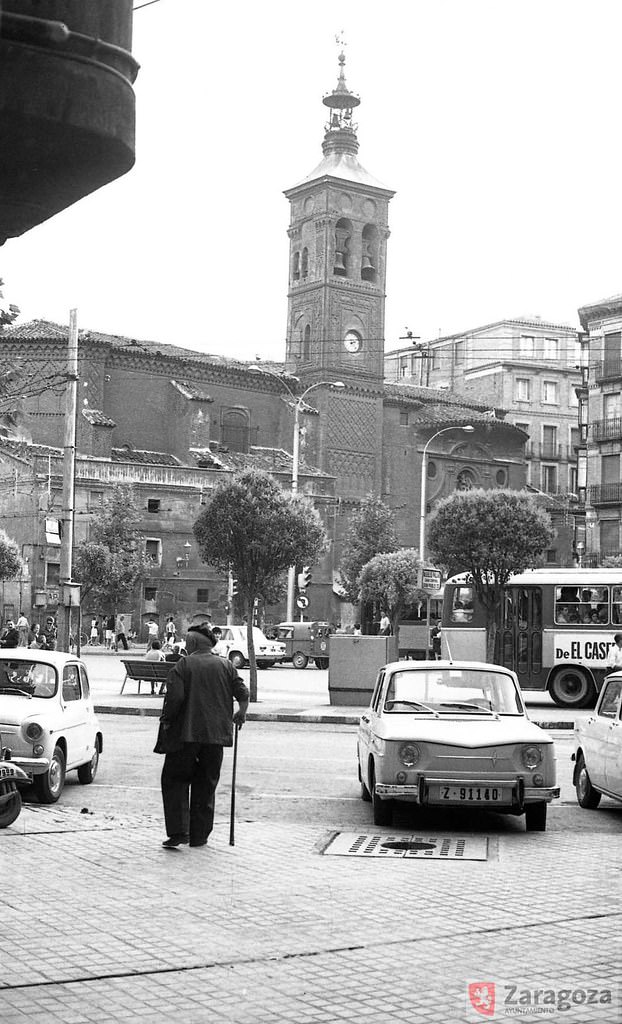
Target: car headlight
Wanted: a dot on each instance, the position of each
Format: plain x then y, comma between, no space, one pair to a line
409,754
532,757
33,731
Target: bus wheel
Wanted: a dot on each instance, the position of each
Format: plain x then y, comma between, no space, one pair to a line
572,688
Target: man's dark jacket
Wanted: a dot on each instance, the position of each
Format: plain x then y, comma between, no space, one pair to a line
198,706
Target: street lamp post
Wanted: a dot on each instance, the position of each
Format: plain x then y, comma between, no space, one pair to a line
468,429
298,403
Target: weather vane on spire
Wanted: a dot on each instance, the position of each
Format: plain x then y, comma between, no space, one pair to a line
340,40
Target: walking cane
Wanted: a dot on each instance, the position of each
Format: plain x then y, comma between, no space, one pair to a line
235,761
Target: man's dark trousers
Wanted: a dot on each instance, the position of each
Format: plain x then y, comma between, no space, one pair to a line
189,780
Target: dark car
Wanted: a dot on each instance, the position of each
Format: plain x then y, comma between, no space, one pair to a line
305,642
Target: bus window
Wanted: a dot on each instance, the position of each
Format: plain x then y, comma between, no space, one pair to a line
462,604
585,605
616,605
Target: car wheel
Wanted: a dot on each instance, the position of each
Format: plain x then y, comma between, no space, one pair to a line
572,688
264,664
535,816
365,794
10,811
49,786
321,663
88,771
587,796
300,660
237,660
382,809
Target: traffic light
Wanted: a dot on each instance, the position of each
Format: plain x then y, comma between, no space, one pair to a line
304,577
234,586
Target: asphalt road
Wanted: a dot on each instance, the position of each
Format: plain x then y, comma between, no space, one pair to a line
298,774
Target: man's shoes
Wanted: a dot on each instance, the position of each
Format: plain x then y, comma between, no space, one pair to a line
174,841
204,843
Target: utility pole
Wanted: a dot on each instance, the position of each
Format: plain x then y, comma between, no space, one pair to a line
69,478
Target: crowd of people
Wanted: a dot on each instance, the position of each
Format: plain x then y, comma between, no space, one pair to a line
21,633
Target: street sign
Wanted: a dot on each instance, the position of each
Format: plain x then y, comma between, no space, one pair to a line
302,601
430,579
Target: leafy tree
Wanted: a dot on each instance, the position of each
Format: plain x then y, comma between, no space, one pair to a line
489,535
10,561
391,580
8,312
611,562
112,561
252,528
371,531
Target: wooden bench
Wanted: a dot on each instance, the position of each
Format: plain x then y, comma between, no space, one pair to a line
146,671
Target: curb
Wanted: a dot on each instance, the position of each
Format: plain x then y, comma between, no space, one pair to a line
300,717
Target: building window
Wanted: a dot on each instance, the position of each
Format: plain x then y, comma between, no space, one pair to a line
403,417
551,556
573,479
52,574
53,532
501,477
153,549
296,267
434,358
199,429
304,267
523,389
151,593
403,366
459,353
153,504
96,499
574,354
551,348
202,595
549,442
526,347
549,479
550,392
465,481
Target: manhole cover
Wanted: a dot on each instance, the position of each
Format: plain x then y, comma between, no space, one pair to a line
421,847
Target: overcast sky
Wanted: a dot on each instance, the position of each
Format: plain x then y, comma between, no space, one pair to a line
496,122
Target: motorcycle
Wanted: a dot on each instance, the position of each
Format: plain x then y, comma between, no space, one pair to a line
10,796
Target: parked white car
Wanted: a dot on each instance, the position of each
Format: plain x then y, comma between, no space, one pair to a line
598,747
233,645
47,720
454,734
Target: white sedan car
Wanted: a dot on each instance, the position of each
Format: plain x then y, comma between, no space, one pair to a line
454,734
234,646
598,747
47,720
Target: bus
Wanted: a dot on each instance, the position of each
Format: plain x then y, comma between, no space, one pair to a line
556,627
415,625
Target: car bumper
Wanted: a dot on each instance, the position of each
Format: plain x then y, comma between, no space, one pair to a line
423,792
32,765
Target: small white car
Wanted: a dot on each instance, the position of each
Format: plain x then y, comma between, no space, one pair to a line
233,645
454,734
47,720
598,747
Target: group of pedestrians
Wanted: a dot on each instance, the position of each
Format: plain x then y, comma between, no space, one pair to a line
20,633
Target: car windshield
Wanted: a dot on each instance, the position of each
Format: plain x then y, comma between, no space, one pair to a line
32,678
451,690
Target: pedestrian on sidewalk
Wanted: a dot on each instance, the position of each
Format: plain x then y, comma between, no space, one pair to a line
121,638
195,725
23,628
153,632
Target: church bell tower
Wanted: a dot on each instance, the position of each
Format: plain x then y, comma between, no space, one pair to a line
337,267
337,272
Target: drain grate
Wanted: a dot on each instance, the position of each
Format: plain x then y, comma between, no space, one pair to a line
419,847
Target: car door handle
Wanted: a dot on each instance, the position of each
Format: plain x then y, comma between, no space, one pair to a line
365,719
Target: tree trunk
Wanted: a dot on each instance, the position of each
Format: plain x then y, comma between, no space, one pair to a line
492,630
250,640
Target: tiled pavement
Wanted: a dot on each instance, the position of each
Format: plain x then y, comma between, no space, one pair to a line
98,923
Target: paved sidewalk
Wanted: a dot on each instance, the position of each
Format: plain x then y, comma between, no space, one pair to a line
99,923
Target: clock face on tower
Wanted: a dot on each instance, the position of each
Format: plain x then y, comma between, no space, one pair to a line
352,342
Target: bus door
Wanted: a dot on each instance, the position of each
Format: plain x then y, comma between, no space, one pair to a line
521,635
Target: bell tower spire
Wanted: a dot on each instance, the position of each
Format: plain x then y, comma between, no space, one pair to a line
338,242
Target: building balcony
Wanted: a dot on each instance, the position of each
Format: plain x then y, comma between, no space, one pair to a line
606,430
549,452
606,369
605,494
592,559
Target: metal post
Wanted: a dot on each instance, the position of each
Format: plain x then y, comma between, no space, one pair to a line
467,429
69,477
291,572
